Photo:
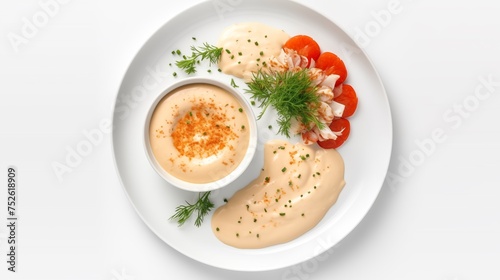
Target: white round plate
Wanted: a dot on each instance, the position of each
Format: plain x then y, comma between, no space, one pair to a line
366,153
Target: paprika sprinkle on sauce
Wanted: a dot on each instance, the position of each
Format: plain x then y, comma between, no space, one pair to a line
203,131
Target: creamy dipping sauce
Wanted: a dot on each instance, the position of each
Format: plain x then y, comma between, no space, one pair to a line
248,47
199,133
296,188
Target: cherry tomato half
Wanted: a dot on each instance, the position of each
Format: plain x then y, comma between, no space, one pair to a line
337,125
332,64
349,99
304,45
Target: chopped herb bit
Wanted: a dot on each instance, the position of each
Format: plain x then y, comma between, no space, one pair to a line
242,127
217,229
282,214
240,110
174,74
228,51
194,38
256,43
233,84
283,169
261,53
270,126
240,53
178,52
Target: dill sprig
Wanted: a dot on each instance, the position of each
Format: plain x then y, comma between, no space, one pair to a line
292,94
207,51
202,208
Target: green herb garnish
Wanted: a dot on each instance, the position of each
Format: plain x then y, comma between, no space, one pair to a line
233,84
202,208
292,94
207,51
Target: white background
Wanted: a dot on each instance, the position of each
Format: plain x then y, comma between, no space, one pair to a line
437,216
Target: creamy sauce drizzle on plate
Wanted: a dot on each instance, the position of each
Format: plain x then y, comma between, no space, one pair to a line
248,47
296,188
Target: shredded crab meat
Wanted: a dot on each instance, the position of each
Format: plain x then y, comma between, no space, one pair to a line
316,75
314,135
337,109
330,81
309,137
337,91
297,127
288,60
328,109
325,94
325,113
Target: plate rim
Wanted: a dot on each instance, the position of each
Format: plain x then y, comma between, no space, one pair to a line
368,206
